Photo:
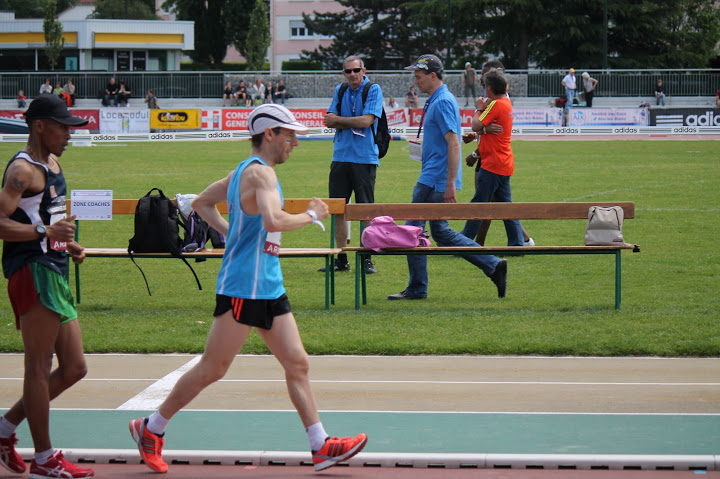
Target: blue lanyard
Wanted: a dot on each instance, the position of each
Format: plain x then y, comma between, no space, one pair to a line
425,109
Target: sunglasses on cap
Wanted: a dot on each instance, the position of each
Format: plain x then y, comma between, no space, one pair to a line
352,70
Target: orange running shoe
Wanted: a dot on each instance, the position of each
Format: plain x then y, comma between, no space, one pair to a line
337,450
57,466
150,445
9,458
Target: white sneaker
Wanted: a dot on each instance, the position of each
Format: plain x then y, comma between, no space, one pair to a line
529,242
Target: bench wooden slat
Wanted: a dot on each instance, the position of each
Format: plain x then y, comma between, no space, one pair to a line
215,253
292,205
489,211
514,249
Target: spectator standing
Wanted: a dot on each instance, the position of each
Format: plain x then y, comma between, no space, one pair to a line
111,91
411,98
250,291
69,88
228,94
441,177
37,239
269,93
570,85
46,87
258,92
123,95
469,78
659,93
151,100
21,99
474,159
589,84
498,163
355,154
280,92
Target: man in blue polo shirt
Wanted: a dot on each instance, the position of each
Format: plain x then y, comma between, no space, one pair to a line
440,177
355,154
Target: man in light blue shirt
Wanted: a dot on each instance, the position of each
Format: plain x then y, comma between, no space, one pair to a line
441,177
355,154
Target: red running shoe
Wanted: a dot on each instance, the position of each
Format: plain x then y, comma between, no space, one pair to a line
150,445
337,450
57,466
9,458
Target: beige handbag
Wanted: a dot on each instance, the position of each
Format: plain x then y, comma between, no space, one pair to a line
604,226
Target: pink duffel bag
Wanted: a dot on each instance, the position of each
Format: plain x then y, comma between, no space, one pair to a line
384,233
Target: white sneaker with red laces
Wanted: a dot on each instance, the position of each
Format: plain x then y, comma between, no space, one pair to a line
58,467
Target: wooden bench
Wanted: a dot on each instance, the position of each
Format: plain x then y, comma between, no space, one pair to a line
336,207
474,211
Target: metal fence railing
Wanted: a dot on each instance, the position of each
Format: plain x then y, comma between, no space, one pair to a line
313,84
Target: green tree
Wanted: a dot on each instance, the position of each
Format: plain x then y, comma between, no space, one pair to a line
125,9
32,8
379,31
54,40
218,24
258,36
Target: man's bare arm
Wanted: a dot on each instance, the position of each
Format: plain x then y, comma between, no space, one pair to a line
206,204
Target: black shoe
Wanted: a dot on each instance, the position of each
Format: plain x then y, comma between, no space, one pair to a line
370,267
338,266
405,294
499,277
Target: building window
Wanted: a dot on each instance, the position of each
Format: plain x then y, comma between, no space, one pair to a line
299,30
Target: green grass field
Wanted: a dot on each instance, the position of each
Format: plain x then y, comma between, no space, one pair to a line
556,305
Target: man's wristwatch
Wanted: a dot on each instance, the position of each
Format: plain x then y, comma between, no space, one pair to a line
475,155
41,230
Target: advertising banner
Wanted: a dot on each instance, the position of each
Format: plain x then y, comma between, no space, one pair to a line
175,119
124,120
210,119
607,117
537,117
312,118
396,117
685,117
235,119
92,116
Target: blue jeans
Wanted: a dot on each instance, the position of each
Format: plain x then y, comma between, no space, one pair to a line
443,236
570,95
491,186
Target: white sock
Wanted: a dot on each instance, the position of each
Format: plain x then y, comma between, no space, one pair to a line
6,427
157,424
317,436
43,457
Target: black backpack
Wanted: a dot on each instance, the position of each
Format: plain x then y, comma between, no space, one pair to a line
156,230
382,137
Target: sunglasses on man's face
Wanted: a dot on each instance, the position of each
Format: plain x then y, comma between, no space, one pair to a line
352,70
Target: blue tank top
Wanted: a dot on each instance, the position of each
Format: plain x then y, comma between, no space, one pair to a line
44,208
251,265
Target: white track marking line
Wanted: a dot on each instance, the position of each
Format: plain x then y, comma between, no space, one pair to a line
152,396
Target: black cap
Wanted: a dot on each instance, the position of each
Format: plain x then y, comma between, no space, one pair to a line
52,107
427,62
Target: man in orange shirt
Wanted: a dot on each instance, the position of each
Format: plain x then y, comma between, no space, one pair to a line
498,164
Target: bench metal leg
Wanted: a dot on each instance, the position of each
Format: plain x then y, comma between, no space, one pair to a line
617,279
327,282
357,281
77,266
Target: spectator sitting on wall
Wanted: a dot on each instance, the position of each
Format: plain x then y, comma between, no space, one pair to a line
123,96
411,98
392,103
228,94
280,92
46,87
69,88
111,91
659,93
269,92
21,99
717,98
58,89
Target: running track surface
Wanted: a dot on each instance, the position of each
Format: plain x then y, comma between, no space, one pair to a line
494,417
